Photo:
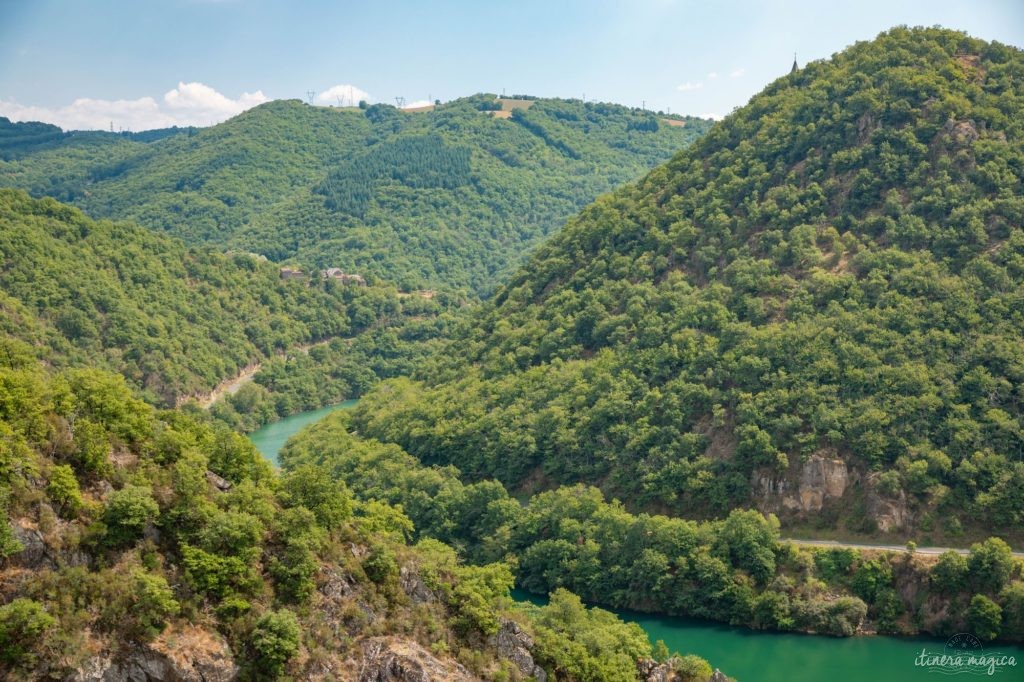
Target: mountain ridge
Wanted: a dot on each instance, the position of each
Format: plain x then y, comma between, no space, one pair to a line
256,182
833,273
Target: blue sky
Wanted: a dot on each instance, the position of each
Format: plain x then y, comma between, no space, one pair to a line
155,62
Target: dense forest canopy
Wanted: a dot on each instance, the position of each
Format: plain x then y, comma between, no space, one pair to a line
145,544
834,275
20,139
174,320
441,199
735,570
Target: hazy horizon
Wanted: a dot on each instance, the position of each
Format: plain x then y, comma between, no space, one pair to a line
199,62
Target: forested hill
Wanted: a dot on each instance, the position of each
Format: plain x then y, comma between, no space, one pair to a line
817,308
173,320
442,198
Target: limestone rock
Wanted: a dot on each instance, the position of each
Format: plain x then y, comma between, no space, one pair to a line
962,132
392,660
188,654
514,644
650,670
37,553
890,513
196,654
820,478
413,586
218,482
335,584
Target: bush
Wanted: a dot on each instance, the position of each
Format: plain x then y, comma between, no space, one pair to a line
990,564
154,603
313,488
63,490
275,639
128,512
1012,598
691,668
23,624
218,576
380,565
92,449
984,618
8,543
949,574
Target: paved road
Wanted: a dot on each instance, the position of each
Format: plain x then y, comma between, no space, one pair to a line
889,548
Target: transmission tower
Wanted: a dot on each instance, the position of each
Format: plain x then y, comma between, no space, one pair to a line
310,94
400,101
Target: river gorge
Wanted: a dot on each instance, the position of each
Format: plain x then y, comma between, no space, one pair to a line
751,655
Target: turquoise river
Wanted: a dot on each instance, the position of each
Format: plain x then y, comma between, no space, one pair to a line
750,655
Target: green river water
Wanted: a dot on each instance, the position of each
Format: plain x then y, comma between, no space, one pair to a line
749,655
271,438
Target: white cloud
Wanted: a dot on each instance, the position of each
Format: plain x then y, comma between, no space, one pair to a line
713,117
203,101
737,73
188,104
418,103
348,95
689,87
713,75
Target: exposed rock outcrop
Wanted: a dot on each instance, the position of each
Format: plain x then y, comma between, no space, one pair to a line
514,644
189,654
196,654
219,482
650,670
335,584
391,660
37,553
890,513
413,586
962,132
820,478
342,605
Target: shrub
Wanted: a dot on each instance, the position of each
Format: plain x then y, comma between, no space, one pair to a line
23,624
984,617
313,488
949,574
380,565
128,512
63,490
275,639
154,603
990,564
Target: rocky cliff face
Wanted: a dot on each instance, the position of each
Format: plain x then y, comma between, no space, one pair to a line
44,551
188,654
650,670
515,645
822,478
890,513
386,659
819,478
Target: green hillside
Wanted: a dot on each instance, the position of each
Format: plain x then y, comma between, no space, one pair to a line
816,309
735,570
140,544
174,321
439,199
